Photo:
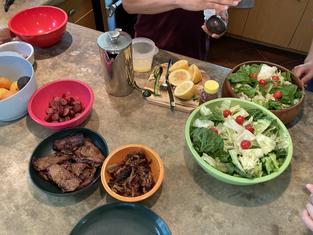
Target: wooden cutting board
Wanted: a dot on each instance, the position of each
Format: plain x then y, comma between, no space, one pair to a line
164,101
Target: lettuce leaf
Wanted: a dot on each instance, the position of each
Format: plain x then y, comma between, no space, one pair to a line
246,89
206,141
288,93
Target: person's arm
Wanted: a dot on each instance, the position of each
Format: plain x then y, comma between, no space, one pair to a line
159,6
305,70
307,214
310,54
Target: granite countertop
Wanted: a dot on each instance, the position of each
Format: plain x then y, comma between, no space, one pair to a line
191,202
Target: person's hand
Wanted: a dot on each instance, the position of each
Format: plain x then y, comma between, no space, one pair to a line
307,214
304,71
224,15
200,5
5,35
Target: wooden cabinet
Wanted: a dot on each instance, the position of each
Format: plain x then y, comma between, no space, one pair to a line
285,24
79,12
303,36
237,20
274,21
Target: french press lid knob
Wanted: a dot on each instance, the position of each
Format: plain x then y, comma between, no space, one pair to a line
114,41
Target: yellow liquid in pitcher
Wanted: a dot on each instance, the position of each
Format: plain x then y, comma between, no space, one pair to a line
142,65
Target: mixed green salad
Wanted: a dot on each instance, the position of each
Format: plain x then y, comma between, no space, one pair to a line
240,142
265,85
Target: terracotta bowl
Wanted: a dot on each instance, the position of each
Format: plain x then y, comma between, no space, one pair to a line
118,155
285,115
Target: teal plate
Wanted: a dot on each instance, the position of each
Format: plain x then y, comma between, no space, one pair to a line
121,219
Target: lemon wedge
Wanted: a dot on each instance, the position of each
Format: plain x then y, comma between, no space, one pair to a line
185,90
178,76
195,73
180,64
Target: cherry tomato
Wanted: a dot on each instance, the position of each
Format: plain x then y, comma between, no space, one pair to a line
245,144
253,75
226,112
214,129
240,119
250,128
262,82
277,94
275,78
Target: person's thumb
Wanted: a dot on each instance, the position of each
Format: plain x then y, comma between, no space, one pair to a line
298,70
310,187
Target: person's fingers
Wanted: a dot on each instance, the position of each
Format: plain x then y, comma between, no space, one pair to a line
299,70
205,29
213,35
226,2
307,77
218,7
307,219
309,208
216,36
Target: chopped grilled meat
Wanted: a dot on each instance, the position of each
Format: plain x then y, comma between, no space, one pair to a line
88,153
76,168
88,176
68,144
42,163
133,177
65,180
73,165
82,170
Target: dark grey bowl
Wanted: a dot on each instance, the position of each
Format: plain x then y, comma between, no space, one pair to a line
45,148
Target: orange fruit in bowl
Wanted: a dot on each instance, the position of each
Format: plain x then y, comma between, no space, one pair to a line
8,94
178,76
180,64
5,83
14,86
195,73
3,93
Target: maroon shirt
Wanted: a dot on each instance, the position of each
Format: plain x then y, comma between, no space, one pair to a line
177,31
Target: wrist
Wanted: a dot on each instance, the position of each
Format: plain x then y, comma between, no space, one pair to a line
308,59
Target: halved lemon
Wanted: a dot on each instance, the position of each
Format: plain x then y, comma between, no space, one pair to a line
180,64
178,76
195,73
185,90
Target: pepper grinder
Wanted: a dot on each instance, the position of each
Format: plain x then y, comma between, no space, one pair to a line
213,22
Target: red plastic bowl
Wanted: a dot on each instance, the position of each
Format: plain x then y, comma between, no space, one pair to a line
39,102
41,26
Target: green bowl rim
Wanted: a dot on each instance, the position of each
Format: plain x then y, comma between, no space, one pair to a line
229,178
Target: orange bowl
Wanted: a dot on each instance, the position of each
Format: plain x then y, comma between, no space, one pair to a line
118,155
285,115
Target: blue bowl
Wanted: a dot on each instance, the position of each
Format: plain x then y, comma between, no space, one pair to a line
15,106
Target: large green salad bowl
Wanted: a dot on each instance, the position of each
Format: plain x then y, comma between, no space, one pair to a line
240,144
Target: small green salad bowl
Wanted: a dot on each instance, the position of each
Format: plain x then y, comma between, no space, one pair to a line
236,179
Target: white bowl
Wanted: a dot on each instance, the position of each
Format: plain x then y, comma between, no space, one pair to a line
15,106
24,49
